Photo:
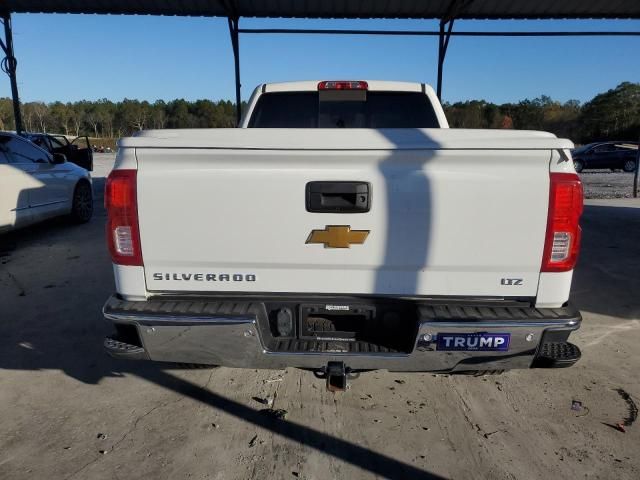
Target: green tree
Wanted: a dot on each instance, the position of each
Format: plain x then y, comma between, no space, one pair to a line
613,114
60,117
6,114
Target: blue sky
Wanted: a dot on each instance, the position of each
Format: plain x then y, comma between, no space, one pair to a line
75,57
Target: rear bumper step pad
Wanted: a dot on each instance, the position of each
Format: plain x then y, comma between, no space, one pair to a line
119,349
556,355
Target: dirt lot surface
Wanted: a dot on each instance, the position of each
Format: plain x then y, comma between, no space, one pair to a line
68,411
604,184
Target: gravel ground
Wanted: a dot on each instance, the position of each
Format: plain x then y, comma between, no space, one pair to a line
68,411
606,184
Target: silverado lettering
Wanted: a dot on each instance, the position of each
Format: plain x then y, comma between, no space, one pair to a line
208,277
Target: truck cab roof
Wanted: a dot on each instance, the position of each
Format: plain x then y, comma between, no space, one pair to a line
373,86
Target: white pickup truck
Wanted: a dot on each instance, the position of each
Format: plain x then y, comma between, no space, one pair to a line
344,227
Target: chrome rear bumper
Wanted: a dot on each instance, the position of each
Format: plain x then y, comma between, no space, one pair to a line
231,333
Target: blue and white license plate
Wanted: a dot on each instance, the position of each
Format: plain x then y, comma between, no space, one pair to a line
474,342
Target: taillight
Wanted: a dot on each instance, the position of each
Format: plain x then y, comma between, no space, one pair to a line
562,241
123,234
343,85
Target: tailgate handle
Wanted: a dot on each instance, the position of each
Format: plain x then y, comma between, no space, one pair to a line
338,197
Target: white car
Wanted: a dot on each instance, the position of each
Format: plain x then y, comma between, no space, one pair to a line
36,185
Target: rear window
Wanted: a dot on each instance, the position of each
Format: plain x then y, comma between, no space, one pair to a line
343,109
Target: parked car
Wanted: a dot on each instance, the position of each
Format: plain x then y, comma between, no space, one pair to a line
344,227
609,155
36,184
78,151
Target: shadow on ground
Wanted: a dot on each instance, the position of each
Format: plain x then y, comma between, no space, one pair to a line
54,277
607,278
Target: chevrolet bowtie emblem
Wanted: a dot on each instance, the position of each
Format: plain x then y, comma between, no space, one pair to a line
338,236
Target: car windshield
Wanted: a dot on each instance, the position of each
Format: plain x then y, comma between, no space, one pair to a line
344,109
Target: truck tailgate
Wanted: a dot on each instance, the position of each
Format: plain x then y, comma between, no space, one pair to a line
461,222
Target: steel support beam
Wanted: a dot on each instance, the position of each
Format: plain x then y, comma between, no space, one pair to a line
9,66
235,44
429,33
443,43
635,174
446,26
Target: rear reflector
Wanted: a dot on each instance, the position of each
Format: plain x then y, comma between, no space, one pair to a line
562,241
123,234
343,85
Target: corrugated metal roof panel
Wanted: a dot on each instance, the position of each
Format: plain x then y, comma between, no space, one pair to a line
480,9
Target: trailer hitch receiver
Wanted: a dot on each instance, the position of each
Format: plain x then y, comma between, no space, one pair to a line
336,375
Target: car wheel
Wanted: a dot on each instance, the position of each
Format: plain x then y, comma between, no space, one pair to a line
82,207
629,166
578,165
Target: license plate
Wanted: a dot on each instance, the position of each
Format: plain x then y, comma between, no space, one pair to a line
474,342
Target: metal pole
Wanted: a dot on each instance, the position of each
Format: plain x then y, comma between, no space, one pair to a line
440,60
443,44
635,175
423,33
235,45
9,65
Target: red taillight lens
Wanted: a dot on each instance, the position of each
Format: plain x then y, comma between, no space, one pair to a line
343,85
123,234
562,241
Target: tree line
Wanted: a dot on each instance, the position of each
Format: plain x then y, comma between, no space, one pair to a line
611,115
107,119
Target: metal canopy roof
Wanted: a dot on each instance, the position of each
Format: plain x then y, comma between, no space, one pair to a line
419,9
